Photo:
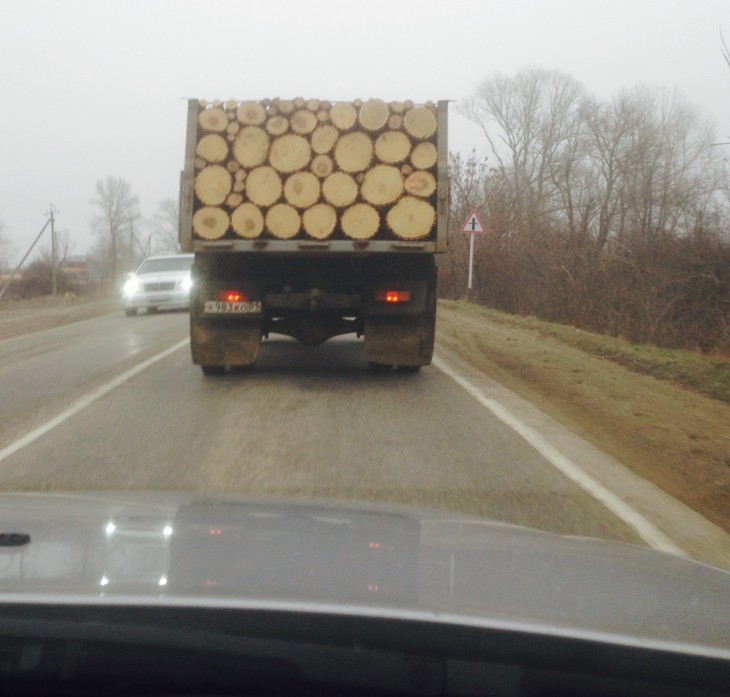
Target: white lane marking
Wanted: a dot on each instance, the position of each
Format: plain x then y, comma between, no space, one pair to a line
645,529
85,401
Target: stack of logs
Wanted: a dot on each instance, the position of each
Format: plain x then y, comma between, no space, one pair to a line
315,169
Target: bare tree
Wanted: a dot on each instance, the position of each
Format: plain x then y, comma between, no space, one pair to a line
165,226
117,212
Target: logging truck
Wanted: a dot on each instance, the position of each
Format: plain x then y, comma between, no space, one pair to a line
313,219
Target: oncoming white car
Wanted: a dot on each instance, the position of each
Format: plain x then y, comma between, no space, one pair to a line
160,282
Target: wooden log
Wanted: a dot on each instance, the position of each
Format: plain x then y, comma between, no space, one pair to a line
214,120
210,223
251,146
406,170
397,107
231,105
303,122
382,185
323,116
232,166
302,189
319,221
313,104
212,185
263,186
247,221
340,189
354,152
200,163
373,114
326,105
392,147
251,114
277,125
234,200
420,183
324,138
299,103
420,122
286,106
239,174
289,153
360,222
411,218
395,122
283,221
322,166
212,148
203,103
233,127
424,156
343,115
239,185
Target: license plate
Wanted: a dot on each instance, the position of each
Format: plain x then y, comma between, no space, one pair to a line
215,307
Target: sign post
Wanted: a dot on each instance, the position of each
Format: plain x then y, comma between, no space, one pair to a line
472,226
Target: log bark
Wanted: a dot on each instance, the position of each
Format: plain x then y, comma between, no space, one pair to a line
420,122
214,120
212,185
289,153
324,138
354,152
303,122
392,147
424,156
247,221
277,125
373,114
283,221
263,186
360,222
420,183
339,189
411,218
343,115
319,221
302,189
382,185
322,166
251,113
210,223
251,146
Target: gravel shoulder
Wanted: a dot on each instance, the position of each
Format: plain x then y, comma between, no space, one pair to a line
673,436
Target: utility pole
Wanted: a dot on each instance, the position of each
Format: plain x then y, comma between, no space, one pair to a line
54,253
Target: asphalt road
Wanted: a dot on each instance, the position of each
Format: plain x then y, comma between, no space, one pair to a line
96,406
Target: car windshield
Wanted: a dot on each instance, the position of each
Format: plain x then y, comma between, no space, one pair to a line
469,258
181,263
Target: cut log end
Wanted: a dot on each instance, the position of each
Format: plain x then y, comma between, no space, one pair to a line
340,189
214,120
354,152
411,218
424,156
360,222
251,113
322,166
263,186
212,185
302,189
247,221
290,153
343,115
210,223
251,146
212,148
283,221
420,122
319,221
373,115
392,147
382,185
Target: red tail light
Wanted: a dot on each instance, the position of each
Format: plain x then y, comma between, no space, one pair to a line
230,296
393,296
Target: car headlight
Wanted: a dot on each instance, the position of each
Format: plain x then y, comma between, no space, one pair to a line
131,286
187,284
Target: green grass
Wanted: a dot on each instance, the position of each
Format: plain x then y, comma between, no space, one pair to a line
706,374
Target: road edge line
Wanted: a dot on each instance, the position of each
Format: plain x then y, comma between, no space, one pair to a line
87,400
648,532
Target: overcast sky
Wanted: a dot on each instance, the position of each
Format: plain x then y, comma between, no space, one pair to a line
95,88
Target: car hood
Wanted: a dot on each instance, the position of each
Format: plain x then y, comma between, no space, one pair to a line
162,276
170,549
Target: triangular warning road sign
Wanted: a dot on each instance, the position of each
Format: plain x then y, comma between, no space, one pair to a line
473,224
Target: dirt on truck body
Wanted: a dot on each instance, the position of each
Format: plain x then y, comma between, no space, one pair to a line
313,219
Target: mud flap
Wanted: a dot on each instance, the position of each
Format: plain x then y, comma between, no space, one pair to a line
402,341
224,343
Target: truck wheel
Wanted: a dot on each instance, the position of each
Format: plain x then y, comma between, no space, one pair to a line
213,369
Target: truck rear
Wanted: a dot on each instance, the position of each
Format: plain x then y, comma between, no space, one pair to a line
314,219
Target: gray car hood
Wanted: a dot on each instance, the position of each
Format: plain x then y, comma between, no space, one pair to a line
171,549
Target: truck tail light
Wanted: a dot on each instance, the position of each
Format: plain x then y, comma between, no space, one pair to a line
230,296
393,297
